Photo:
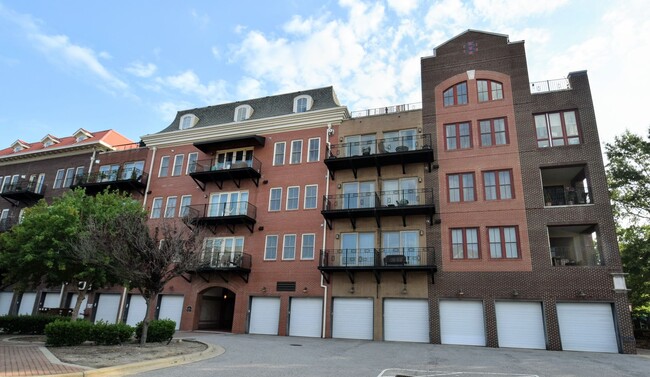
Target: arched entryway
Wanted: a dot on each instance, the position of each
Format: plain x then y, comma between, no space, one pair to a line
217,309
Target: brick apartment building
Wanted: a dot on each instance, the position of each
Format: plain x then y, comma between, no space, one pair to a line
481,217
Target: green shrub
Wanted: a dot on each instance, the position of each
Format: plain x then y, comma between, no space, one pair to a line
67,333
106,333
27,324
160,330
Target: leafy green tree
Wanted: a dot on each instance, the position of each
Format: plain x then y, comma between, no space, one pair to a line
634,242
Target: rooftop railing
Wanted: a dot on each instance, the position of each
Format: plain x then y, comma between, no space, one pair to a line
386,110
381,146
549,86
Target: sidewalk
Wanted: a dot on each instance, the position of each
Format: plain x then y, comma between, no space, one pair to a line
28,359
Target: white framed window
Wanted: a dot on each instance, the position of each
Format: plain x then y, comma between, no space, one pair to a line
164,166
79,173
271,248
308,245
275,199
178,165
311,194
186,202
132,170
313,154
302,103
278,153
232,203
40,182
296,152
5,183
156,208
170,208
192,159
58,179
289,247
222,251
187,121
243,112
4,215
293,193
69,177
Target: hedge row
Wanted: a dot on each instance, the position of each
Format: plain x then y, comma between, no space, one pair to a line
27,324
161,330
73,333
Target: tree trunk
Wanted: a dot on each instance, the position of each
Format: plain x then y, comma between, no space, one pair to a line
80,299
148,316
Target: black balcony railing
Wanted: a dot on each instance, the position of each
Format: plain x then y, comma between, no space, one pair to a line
225,260
23,190
228,214
559,196
570,256
205,171
126,179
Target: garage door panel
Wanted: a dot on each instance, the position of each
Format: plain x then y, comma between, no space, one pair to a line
5,302
520,324
51,299
306,317
136,310
406,320
27,303
171,307
587,327
107,307
265,315
462,322
352,318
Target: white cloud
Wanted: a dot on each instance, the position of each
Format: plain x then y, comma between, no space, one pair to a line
499,11
140,69
167,110
189,83
200,19
105,55
249,87
403,7
215,52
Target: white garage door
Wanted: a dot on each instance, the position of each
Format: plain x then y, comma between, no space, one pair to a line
461,322
137,308
520,325
52,299
265,315
171,307
27,303
306,317
5,302
352,318
107,307
587,327
406,320
73,302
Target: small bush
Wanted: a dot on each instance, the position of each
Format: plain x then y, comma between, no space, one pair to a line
160,330
27,324
67,333
106,333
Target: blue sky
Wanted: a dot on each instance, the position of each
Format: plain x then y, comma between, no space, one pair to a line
130,65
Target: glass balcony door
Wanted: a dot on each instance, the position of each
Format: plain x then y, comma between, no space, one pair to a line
402,243
358,249
223,251
358,195
228,204
400,192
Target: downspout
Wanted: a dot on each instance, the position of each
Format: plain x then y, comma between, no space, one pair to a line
327,191
92,161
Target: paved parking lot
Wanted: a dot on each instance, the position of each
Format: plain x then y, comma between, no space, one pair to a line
271,356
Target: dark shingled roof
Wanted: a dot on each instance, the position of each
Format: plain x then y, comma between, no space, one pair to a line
265,107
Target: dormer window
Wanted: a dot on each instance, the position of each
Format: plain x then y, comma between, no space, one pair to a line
19,145
80,138
49,140
187,121
18,148
47,143
302,103
81,135
243,112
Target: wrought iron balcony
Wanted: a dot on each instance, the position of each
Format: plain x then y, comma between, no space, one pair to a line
222,263
206,171
560,196
377,260
24,191
128,179
382,152
402,203
228,214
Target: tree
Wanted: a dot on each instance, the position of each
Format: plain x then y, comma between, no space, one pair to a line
147,259
634,242
40,250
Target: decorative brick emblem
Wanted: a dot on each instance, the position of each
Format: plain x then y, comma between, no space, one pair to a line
470,48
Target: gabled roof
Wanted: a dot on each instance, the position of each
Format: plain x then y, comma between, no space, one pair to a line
19,143
47,137
470,31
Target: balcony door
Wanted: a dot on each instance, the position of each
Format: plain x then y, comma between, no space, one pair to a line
358,249
222,251
399,141
234,159
132,170
358,195
358,145
228,204
402,243
400,192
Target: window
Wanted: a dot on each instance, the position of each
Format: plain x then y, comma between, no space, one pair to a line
156,208
493,132
243,112
556,129
79,174
498,184
302,103
289,247
357,145
5,215
233,203
489,90
458,136
314,150
503,242
58,180
47,143
234,159
400,192
456,95
403,243
187,121
308,241
186,201
5,183
40,182
222,251
108,173
296,152
278,153
461,187
164,166
359,195
311,192
178,165
399,141
357,249
133,170
464,243
271,248
293,193
69,177
170,208
192,158
275,199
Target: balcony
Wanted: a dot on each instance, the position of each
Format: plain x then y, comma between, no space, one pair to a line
560,196
377,153
574,245
7,223
386,110
402,203
23,191
207,171
566,186
222,263
229,214
377,260
122,179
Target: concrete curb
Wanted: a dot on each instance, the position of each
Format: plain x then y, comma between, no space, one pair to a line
145,366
